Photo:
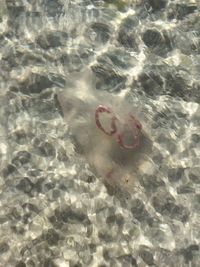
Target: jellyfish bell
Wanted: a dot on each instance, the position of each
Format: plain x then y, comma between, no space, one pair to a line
106,131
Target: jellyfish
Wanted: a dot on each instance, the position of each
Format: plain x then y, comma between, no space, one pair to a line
106,131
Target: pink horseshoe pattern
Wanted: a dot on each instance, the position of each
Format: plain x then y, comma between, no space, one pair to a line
131,123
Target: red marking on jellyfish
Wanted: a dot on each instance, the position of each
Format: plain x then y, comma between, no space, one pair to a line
110,173
101,109
131,123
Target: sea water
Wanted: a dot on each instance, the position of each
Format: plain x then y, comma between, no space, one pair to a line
69,195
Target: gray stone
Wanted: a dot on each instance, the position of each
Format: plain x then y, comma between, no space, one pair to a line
159,42
108,79
53,7
21,158
146,255
156,80
176,174
21,264
43,148
119,58
19,136
105,236
115,219
195,138
9,170
151,82
151,182
189,252
57,105
98,33
4,247
3,219
52,237
127,260
126,36
15,9
72,62
37,83
194,175
49,263
185,189
155,5
165,204
25,185
152,38
75,264
127,40
57,224
52,39
67,215
180,11
176,84
139,211
30,208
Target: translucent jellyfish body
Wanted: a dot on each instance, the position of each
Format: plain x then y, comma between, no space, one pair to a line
106,131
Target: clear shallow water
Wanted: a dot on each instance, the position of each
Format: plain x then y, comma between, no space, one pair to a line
54,210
